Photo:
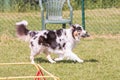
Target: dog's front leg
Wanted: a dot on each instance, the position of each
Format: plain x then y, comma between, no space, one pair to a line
72,56
50,59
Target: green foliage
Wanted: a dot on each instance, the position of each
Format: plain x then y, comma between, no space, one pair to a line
31,5
93,4
20,6
96,4
1,5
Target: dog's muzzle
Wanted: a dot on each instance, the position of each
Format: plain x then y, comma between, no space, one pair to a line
85,35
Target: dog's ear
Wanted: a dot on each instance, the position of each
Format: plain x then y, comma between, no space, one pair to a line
73,26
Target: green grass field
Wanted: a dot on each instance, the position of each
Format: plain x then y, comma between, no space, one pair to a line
100,51
101,57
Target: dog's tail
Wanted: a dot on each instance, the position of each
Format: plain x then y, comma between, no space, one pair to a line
21,31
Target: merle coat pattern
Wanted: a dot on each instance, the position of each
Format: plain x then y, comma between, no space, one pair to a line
60,41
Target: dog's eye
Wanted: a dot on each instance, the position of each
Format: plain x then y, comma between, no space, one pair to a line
79,28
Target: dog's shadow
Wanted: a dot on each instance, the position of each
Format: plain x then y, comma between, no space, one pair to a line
71,61
42,60
91,60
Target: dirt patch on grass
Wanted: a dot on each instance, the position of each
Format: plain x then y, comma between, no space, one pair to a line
106,36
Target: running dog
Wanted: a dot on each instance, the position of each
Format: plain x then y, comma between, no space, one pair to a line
60,42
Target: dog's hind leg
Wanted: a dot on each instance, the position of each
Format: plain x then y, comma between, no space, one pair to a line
32,57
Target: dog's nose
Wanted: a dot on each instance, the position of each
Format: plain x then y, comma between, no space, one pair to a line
87,34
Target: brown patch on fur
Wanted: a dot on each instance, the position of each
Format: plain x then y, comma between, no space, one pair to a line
75,34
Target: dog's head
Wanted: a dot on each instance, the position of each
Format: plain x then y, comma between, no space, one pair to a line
78,32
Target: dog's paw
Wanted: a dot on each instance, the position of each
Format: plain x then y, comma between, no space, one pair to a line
53,62
80,61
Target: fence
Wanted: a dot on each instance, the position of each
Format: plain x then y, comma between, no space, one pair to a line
101,16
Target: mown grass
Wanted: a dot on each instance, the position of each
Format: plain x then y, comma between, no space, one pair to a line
100,51
101,57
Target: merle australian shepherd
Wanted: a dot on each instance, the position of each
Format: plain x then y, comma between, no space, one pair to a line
60,42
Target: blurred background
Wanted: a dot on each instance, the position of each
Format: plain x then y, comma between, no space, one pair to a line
101,16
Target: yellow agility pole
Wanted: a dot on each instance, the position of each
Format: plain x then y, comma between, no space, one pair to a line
37,66
24,77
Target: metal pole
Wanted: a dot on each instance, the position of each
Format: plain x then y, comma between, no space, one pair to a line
83,14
